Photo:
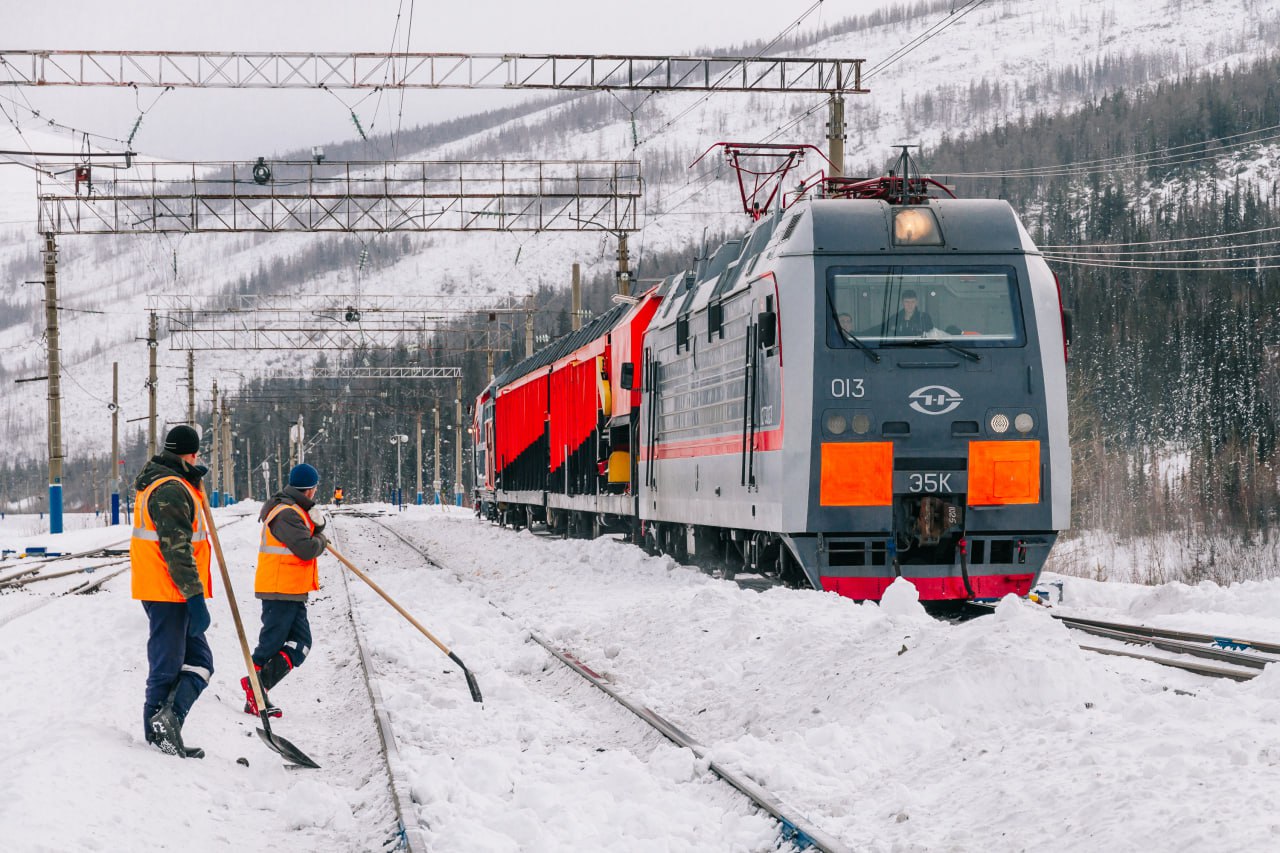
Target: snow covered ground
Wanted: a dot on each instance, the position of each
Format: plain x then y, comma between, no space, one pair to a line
886,728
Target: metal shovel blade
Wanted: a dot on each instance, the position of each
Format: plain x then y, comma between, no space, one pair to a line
287,750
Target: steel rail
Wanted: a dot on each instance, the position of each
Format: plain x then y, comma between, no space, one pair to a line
1190,666
1177,646
41,561
88,586
1167,634
1178,642
796,830
398,778
21,582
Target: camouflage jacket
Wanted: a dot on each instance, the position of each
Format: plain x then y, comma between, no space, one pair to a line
174,514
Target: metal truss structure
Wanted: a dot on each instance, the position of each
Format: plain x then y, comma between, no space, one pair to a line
316,321
411,372
331,305
289,70
344,196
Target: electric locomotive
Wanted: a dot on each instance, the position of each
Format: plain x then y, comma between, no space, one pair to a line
870,383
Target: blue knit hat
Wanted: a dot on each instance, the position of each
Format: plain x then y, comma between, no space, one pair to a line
304,477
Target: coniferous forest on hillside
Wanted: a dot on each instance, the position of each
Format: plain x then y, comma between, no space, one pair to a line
1163,238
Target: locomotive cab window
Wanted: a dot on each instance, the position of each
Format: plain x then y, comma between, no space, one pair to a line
888,306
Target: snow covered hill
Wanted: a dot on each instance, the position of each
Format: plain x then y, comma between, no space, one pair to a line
994,62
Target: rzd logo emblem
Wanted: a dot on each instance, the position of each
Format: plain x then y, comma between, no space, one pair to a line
935,399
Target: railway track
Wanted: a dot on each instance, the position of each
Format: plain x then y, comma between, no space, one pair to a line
412,837
793,828
1242,664
26,577
27,566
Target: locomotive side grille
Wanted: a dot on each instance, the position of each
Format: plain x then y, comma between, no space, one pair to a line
790,229
856,552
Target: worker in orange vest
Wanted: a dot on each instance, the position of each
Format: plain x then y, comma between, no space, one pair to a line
169,553
337,496
292,540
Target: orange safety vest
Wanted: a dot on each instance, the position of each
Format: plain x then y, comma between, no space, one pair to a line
151,580
337,495
279,569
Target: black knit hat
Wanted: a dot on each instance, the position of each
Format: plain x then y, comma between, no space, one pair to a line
182,440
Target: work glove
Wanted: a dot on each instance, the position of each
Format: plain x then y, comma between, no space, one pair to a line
318,518
198,615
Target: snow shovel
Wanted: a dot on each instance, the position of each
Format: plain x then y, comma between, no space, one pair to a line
287,750
471,679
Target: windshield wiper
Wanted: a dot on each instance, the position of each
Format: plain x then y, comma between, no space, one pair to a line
857,342
940,342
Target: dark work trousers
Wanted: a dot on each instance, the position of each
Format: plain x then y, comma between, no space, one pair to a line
175,659
284,629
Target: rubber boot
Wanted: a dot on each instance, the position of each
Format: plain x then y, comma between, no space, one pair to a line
274,670
251,704
166,734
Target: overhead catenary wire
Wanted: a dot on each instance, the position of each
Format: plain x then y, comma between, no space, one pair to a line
142,112
937,29
793,25
1159,242
1122,266
933,32
1176,155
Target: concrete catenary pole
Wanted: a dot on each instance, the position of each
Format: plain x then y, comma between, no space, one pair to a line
575,306
55,382
191,388
528,328
835,135
115,442
457,446
624,266
419,434
153,344
214,441
435,481
229,469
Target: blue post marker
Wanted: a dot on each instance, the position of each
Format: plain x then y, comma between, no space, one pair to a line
115,508
419,498
215,500
55,507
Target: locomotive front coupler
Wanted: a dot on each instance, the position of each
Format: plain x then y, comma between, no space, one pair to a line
925,522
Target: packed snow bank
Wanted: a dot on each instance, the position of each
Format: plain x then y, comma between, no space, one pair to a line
893,730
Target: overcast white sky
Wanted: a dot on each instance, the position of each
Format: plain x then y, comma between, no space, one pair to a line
214,124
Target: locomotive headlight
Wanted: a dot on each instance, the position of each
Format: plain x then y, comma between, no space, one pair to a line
999,423
916,226
836,423
861,424
1024,423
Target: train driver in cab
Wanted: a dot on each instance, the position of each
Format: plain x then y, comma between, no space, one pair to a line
910,321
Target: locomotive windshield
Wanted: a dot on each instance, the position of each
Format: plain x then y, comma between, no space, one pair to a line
884,306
